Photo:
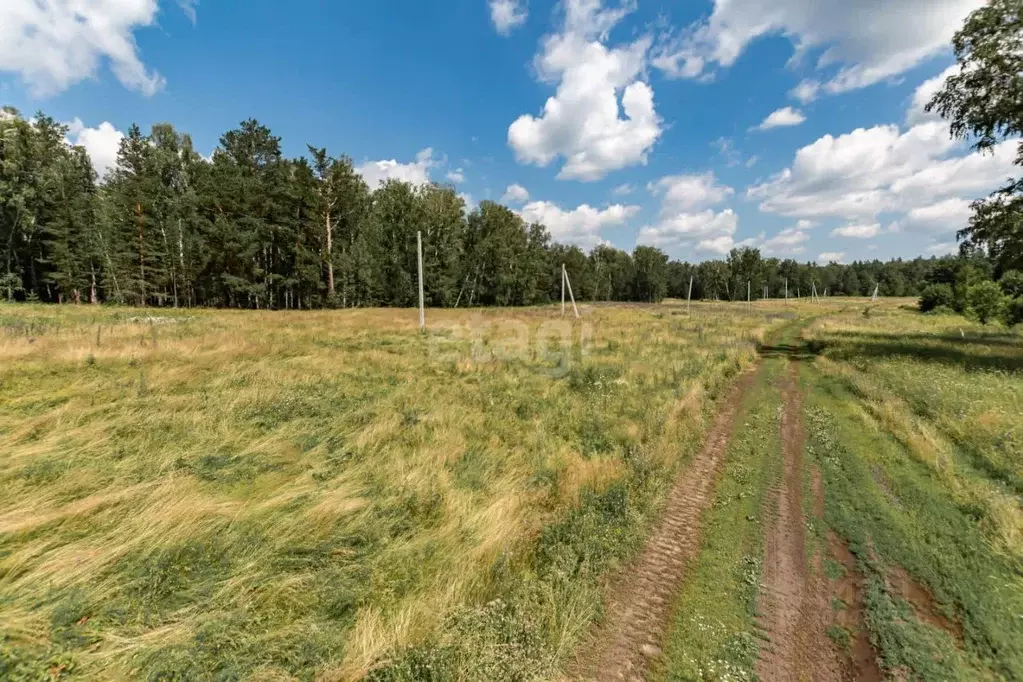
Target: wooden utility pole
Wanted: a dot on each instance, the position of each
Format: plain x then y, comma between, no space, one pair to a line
566,281
689,296
786,291
419,249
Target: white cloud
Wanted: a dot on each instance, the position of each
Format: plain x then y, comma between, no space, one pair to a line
806,91
470,202
56,44
942,248
100,142
681,193
784,117
880,169
788,242
923,95
867,41
417,172
581,225
583,121
456,176
623,190
857,231
704,231
515,194
945,216
686,215
508,15
831,257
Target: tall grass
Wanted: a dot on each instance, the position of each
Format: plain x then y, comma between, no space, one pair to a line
266,495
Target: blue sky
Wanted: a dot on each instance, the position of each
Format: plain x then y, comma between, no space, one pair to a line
673,124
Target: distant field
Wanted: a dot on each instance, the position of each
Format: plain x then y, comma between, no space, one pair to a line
219,494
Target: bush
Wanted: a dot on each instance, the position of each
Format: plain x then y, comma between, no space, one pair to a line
1012,283
1013,312
935,296
986,301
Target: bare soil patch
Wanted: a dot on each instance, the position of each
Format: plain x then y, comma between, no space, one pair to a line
849,588
794,609
920,598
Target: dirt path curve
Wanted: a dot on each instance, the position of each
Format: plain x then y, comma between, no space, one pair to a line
637,615
794,602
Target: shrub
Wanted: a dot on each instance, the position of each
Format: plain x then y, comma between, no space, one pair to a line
1012,283
935,296
1013,312
985,300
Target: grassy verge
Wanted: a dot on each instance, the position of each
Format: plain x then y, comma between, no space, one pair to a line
896,510
712,634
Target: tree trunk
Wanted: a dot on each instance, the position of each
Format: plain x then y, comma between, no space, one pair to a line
330,257
142,257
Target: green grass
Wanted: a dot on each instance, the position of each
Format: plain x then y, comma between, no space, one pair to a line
712,635
896,435
322,495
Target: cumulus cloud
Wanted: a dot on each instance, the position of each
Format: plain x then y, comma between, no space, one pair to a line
682,193
705,231
515,194
581,225
687,217
54,45
781,118
923,94
806,91
623,190
881,169
945,216
508,15
456,176
790,241
857,231
417,172
101,143
601,117
859,52
831,257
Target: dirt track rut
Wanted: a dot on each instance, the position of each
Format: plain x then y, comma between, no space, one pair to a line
630,637
794,600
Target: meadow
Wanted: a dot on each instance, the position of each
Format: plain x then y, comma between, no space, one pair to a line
335,495
329,495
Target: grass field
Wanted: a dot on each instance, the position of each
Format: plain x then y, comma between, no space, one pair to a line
914,427
272,495
335,495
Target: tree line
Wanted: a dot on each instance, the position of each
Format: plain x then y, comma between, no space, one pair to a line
252,228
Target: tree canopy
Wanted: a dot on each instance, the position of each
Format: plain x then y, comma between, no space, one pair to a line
252,228
984,103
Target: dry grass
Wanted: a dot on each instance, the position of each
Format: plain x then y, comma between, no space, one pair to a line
305,494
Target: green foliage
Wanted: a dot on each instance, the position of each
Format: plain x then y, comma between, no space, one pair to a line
986,301
983,102
1011,283
251,228
935,296
1012,314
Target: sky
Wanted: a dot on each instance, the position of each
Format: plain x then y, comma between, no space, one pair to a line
795,126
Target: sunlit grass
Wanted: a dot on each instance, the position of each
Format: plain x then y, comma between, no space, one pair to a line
313,493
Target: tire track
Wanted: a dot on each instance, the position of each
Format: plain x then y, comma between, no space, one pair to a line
794,606
629,639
